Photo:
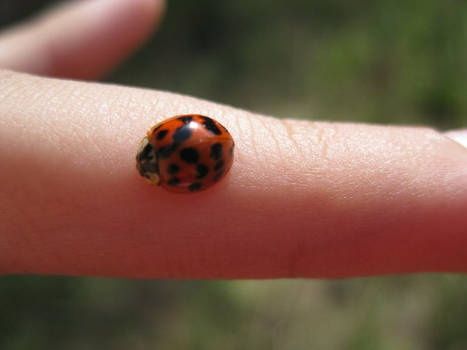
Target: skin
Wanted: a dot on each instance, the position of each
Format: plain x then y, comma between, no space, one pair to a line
308,199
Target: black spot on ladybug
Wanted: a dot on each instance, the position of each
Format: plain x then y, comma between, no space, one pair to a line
210,125
202,170
166,151
173,169
157,128
182,133
219,165
161,134
189,155
186,119
218,176
195,186
216,151
174,181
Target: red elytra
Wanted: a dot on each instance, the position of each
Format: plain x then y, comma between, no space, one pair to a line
186,153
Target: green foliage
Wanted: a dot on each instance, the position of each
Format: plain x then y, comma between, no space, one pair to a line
376,61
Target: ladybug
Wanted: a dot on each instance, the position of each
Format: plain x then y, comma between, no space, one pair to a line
185,153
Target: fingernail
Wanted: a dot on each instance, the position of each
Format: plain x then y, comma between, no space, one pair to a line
460,136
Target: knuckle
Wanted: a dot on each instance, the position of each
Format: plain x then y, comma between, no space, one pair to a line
309,139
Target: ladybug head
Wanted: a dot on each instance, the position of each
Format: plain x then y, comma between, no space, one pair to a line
146,162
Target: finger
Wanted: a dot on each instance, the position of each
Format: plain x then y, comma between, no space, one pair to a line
80,39
459,136
302,198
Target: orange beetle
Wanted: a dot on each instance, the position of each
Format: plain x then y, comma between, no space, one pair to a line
186,153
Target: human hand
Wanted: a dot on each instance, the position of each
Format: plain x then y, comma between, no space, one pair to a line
311,199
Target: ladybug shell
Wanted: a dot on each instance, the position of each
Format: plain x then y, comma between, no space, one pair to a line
192,152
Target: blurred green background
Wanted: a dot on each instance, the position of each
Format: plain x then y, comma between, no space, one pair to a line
383,61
